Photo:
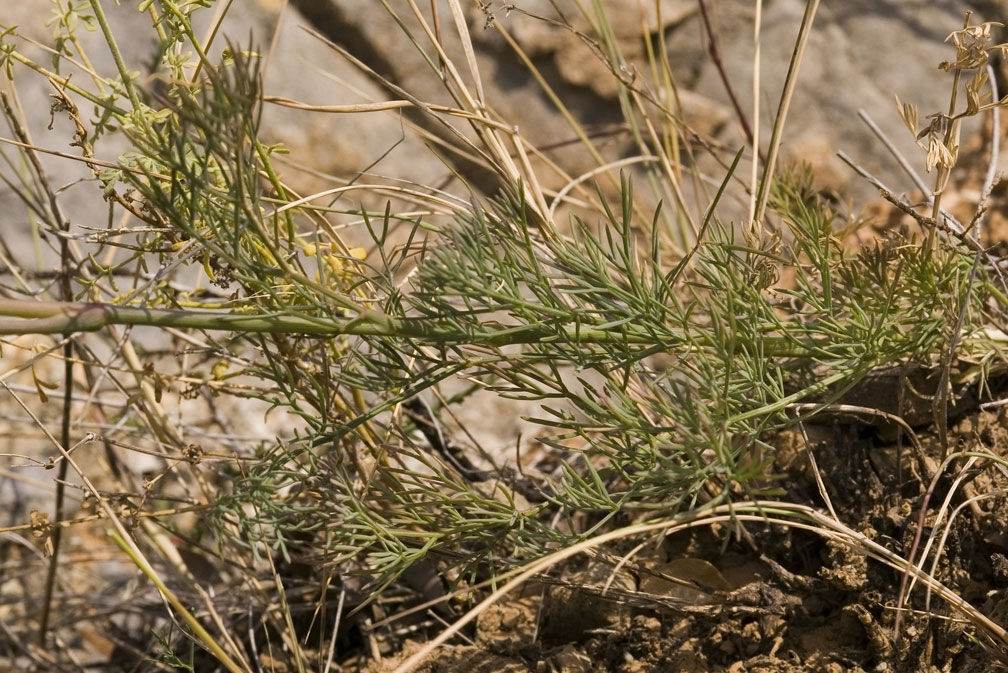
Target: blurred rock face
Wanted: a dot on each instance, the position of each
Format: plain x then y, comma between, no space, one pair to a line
860,54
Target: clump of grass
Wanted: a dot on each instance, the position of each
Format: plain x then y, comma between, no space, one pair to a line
492,288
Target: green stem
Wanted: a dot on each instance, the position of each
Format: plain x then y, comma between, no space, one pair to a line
65,83
33,317
117,56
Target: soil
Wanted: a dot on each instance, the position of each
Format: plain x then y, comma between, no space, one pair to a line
771,599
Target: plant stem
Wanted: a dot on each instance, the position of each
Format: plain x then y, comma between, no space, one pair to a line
782,110
31,317
204,636
117,57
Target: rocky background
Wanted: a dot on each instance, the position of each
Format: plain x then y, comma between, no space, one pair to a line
861,54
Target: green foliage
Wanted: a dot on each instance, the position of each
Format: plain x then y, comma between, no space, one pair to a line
659,371
740,352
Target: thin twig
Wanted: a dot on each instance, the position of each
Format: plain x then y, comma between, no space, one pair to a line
949,224
893,150
715,56
776,136
990,179
939,405
56,223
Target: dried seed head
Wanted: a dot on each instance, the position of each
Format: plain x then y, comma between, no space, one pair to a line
938,154
908,113
976,92
973,48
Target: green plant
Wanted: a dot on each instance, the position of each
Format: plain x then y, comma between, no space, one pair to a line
663,346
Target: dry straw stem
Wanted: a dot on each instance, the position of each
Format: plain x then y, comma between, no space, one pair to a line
777,133
908,580
122,539
757,64
635,114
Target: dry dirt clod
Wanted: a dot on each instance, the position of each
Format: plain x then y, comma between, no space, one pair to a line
878,636
847,568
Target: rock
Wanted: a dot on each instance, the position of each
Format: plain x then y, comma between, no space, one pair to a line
578,606
860,53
